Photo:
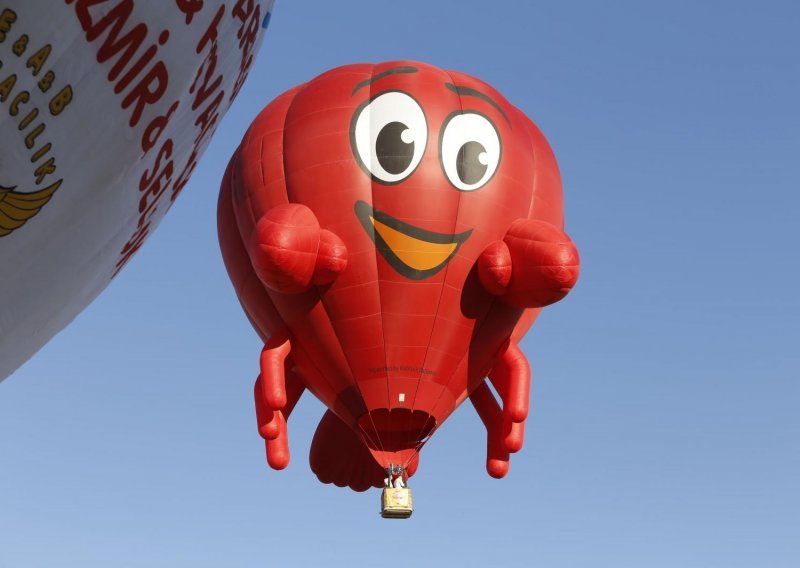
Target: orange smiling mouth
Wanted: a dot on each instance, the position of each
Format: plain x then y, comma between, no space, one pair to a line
414,252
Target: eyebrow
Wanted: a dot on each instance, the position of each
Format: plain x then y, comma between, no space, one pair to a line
470,92
381,75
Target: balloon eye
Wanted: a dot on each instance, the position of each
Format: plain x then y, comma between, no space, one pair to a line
471,163
470,150
388,135
395,148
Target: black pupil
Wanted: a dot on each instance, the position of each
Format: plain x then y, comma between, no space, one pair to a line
469,168
394,155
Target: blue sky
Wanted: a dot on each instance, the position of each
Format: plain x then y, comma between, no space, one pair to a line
665,421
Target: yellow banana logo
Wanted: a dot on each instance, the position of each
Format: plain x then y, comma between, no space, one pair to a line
17,207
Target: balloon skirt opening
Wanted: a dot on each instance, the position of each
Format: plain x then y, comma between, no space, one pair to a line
393,436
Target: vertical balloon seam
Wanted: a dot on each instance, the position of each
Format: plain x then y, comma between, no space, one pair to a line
296,342
246,219
408,420
534,158
299,348
346,356
227,194
433,323
225,204
441,293
250,277
286,185
370,180
290,197
479,323
242,202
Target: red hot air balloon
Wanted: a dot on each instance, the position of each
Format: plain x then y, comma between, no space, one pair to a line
387,228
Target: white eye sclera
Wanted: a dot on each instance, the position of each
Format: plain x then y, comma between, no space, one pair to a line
389,136
470,150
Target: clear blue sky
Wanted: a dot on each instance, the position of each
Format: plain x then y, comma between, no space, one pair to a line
666,407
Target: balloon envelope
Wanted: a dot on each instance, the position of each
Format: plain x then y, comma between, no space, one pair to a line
387,228
105,108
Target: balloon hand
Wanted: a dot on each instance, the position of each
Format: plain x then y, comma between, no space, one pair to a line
290,252
536,264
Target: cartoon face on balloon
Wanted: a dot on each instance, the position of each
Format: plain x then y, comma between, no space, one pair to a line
389,136
386,226
392,136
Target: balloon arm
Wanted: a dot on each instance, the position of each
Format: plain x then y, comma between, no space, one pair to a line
272,424
290,252
511,377
273,359
536,264
268,419
490,414
277,391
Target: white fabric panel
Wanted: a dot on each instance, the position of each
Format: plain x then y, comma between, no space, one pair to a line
105,107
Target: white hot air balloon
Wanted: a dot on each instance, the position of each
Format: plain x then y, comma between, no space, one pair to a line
105,108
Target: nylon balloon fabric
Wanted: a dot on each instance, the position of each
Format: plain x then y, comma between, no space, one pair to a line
392,230
107,106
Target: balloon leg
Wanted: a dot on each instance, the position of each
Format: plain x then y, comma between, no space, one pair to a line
490,414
